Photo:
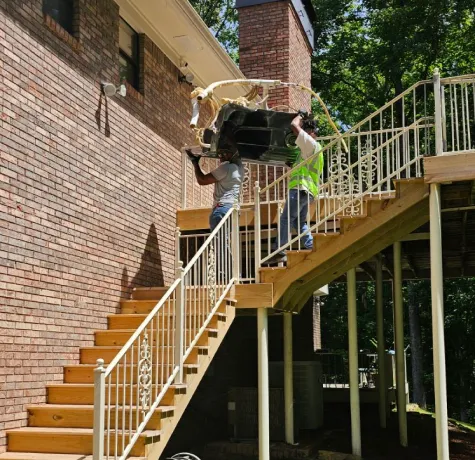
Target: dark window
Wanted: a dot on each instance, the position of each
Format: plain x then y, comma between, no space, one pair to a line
62,11
129,54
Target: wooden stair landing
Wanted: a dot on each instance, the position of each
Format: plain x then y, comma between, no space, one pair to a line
198,218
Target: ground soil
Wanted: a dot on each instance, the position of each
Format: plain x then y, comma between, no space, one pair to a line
379,444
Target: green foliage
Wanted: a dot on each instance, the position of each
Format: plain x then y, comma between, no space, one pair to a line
459,330
221,17
368,51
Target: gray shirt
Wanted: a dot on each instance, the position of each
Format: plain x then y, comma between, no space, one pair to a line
229,177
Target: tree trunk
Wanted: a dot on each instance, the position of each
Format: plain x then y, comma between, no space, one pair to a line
419,395
463,399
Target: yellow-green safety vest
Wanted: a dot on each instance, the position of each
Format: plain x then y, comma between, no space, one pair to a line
308,175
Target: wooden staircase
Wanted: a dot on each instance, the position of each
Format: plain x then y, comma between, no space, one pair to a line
383,222
62,429
352,241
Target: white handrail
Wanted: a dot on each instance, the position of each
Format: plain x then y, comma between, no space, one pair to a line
141,328
207,242
132,386
336,139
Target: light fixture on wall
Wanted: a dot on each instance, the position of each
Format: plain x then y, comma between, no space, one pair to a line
186,76
109,89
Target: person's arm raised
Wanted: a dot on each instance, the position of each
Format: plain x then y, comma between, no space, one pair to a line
296,124
201,178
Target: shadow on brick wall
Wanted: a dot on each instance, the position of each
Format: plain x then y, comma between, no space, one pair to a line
86,51
150,272
97,116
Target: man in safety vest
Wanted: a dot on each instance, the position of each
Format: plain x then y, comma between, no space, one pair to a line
303,185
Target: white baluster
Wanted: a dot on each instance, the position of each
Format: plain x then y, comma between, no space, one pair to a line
99,410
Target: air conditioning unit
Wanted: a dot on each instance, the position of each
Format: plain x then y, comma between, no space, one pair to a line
243,414
308,391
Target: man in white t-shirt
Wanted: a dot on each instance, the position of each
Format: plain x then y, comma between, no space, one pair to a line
303,187
227,179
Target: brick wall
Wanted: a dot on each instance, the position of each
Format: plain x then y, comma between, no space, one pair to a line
272,44
88,189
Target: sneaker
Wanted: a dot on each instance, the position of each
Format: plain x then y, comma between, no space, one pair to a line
276,259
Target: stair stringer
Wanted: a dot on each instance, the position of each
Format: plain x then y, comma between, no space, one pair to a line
360,239
155,450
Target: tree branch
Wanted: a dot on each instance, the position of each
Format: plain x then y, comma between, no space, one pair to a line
224,21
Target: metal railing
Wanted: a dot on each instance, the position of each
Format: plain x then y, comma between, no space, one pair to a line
344,193
196,196
129,390
335,373
362,163
189,243
457,102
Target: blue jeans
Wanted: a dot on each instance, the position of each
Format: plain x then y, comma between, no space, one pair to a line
217,215
296,210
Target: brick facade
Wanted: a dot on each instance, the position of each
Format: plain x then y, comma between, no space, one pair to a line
89,188
273,44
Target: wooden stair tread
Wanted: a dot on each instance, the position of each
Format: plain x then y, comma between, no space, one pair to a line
270,269
144,315
41,456
88,407
34,429
380,196
72,431
83,366
91,385
119,347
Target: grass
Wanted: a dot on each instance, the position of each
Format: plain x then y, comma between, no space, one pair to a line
417,409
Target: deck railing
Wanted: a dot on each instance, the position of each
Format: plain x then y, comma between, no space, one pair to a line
388,145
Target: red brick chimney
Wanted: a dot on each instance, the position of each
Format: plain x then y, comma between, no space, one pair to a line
276,42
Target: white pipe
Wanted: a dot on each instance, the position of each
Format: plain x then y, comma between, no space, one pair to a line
196,113
207,92
380,340
399,345
437,291
263,384
288,380
353,364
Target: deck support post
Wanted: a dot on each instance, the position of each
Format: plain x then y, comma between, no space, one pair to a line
263,383
382,387
399,346
353,364
288,379
437,295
